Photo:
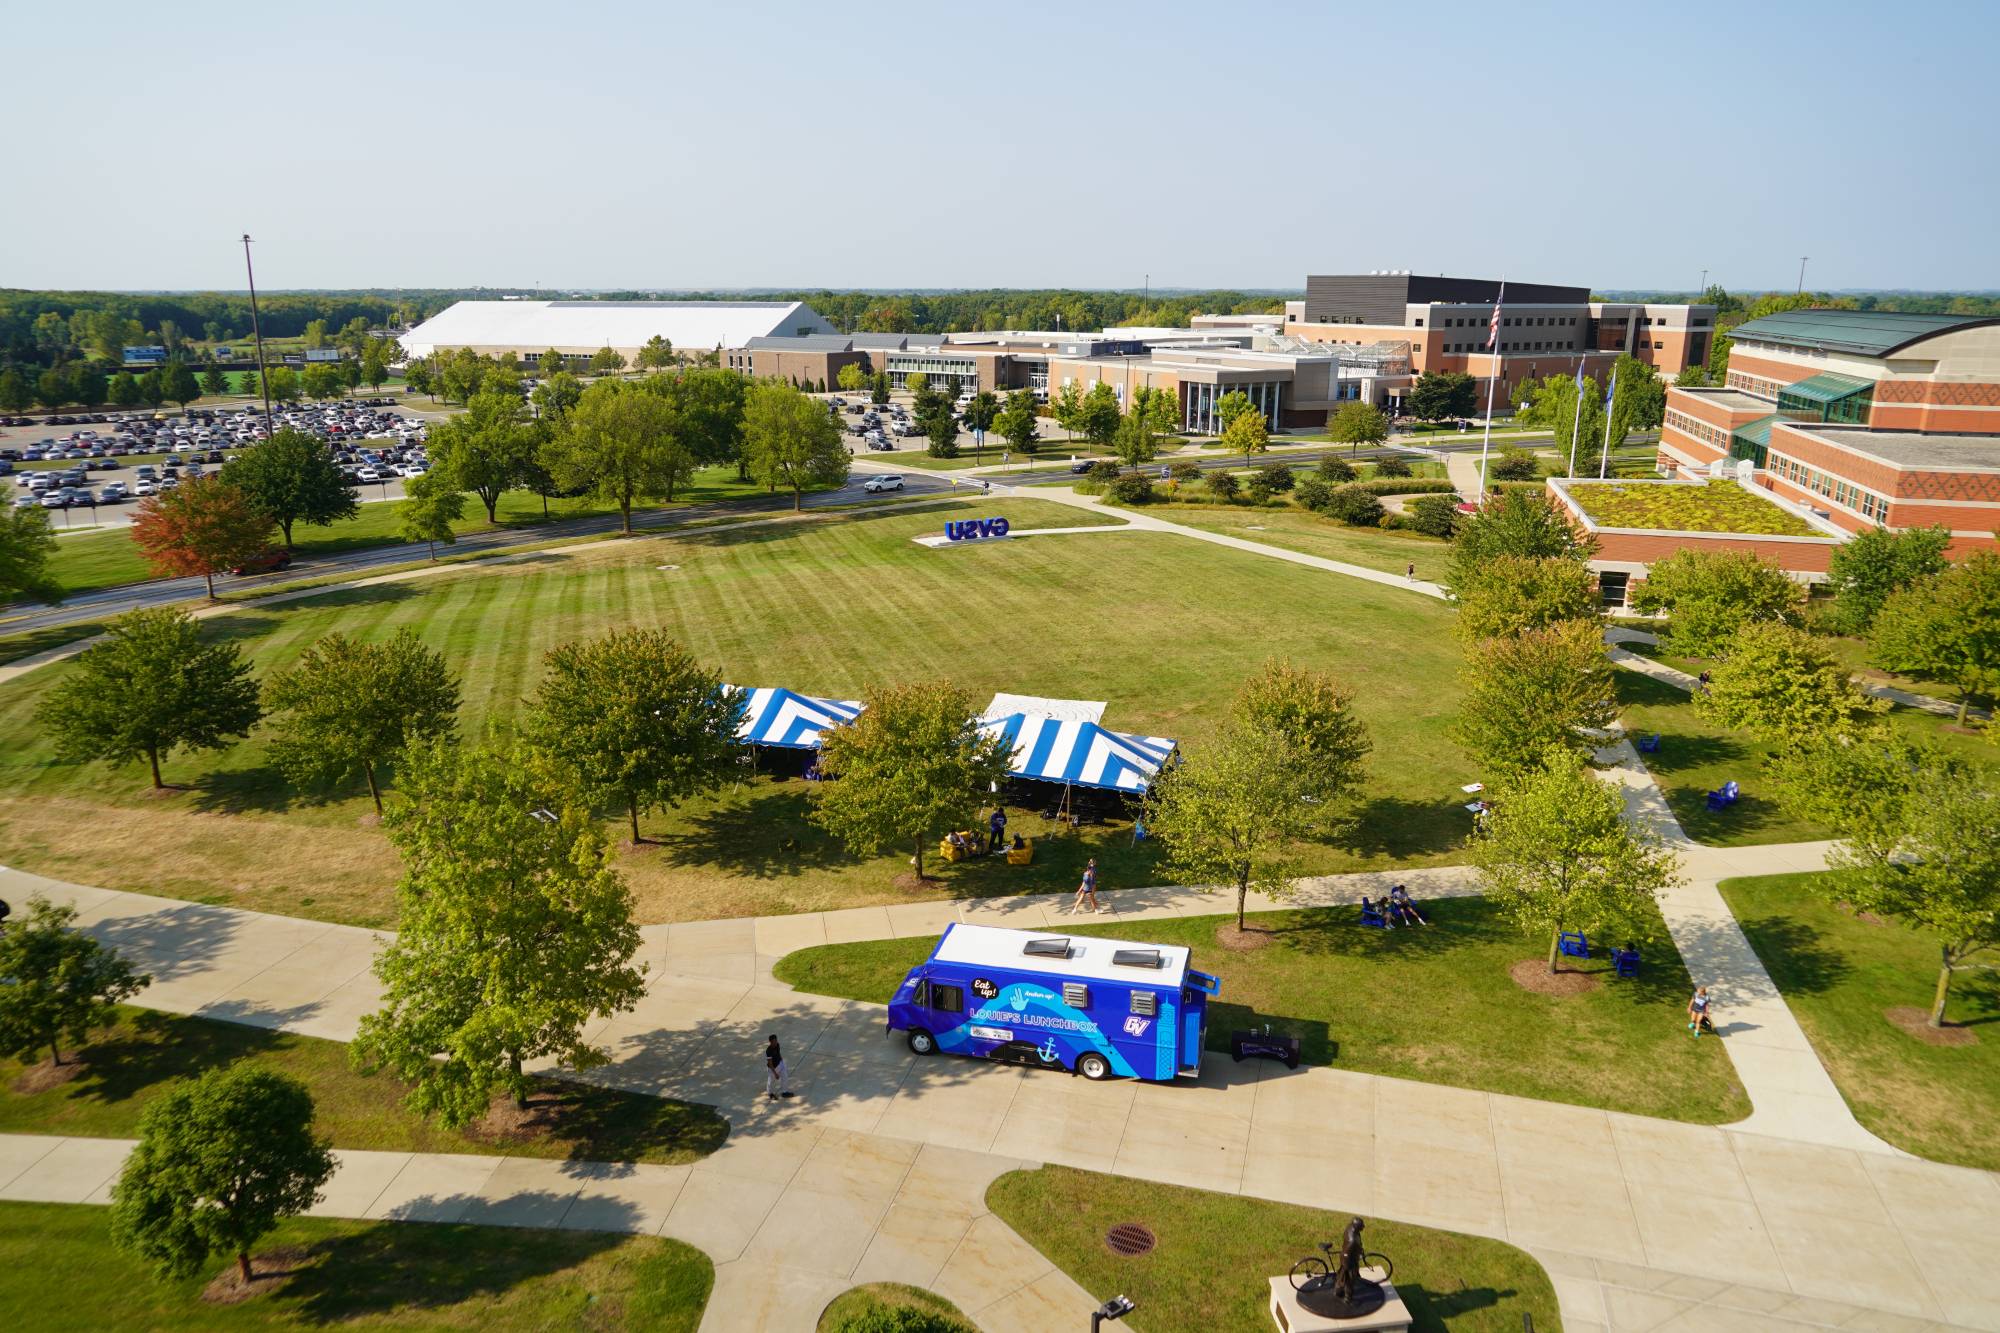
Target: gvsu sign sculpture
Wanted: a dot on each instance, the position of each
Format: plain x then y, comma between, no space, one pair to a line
975,529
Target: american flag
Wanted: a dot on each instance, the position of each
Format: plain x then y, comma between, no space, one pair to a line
1493,325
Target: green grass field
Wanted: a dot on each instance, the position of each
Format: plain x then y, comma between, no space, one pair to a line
1215,1250
145,1055
59,1273
1841,974
1434,1004
881,1300
1161,627
108,557
1298,530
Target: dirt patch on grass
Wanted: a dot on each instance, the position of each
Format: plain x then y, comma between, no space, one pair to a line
1241,941
505,1122
1865,918
269,1272
1915,1022
48,1074
910,882
1532,974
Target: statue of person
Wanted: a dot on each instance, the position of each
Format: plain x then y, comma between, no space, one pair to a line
1347,1278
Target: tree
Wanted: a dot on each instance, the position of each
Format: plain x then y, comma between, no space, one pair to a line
1523,695
15,394
606,361
851,377
1311,714
1335,470
1557,854
1391,466
220,1162
633,718
620,442
1440,394
1946,627
1868,567
878,389
1709,595
1222,484
1353,506
152,389
204,526
315,334
982,411
657,354
1432,515
283,384
1163,410
292,477
320,380
1641,400
57,983
1514,464
513,932
917,383
1556,408
556,395
1357,423
214,380
177,383
1246,433
1692,377
935,418
1516,592
417,375
710,402
1136,442
1068,408
26,543
551,363
430,506
914,762
792,441
247,384
1099,416
1783,686
347,706
484,449
1017,422
152,687
1513,523
1232,406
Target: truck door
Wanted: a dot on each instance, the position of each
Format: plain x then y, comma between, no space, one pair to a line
1194,1018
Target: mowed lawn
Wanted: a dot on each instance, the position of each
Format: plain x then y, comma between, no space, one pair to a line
1432,1003
1298,530
1215,1250
59,1273
1841,974
109,557
1162,628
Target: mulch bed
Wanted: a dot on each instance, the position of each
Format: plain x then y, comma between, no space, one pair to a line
907,882
1241,941
47,1074
269,1272
1532,974
505,1122
1916,1023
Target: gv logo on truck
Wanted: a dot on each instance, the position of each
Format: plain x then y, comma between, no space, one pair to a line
974,529
1136,1027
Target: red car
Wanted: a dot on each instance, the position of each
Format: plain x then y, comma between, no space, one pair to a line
274,559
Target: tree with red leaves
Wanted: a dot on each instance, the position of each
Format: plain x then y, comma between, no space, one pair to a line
204,526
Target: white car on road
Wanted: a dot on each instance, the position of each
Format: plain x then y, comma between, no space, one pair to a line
888,481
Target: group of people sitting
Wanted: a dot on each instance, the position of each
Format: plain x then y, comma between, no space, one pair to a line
1396,910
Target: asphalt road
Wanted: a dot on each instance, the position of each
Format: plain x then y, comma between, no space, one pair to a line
163,592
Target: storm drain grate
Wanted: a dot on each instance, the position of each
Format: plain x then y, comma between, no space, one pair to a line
1129,1238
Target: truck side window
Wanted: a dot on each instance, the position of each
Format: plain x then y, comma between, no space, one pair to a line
947,999
1145,1002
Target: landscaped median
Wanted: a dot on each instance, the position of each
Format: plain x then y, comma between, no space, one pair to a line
59,1273
1861,988
1212,1253
1436,1004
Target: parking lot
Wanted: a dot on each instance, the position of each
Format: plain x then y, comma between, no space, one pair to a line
90,469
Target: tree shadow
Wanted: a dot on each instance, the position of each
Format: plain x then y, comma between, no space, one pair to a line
1396,828
157,1048
1794,954
768,835
171,943
392,1266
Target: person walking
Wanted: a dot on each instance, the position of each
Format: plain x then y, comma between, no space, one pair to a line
1410,574
777,1076
1087,889
1698,1019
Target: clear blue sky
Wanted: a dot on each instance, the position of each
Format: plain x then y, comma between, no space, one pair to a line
1020,144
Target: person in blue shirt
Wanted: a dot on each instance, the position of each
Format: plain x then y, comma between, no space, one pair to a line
1698,1019
998,825
1087,889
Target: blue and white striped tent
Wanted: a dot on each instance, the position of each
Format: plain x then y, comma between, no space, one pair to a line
1070,750
794,721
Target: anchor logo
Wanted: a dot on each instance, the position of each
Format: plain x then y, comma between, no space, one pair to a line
1048,1050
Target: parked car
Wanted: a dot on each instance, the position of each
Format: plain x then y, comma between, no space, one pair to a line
888,481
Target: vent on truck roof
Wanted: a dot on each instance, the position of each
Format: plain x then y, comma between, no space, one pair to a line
1139,958
1054,948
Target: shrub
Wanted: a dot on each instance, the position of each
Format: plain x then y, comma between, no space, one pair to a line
1354,507
1182,470
1222,484
1415,486
1336,470
1514,464
1395,465
1133,488
1434,515
1257,490
1276,477
1103,472
1313,494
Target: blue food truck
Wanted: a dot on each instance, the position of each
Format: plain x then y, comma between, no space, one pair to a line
1092,1006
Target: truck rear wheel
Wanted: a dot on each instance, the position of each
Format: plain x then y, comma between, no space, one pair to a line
1093,1066
922,1042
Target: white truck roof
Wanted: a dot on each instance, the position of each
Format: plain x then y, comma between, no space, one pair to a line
1089,958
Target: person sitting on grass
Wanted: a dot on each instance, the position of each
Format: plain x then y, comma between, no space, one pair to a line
1403,910
1369,908
958,843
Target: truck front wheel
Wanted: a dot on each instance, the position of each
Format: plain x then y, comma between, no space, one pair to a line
922,1042
1093,1066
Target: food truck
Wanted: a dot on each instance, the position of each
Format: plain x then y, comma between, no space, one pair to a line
1092,1006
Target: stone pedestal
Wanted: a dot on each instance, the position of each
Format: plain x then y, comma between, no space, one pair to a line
1291,1317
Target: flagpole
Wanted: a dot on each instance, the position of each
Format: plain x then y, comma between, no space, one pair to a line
1610,402
1492,381
1576,421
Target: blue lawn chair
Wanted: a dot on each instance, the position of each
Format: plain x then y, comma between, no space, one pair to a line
1725,797
1650,744
1572,944
1625,962
1371,915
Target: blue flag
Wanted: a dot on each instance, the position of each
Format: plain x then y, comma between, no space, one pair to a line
1611,392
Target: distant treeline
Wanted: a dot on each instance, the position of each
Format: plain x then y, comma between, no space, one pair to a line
1908,303
999,308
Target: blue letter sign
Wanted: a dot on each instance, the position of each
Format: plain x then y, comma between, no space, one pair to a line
975,529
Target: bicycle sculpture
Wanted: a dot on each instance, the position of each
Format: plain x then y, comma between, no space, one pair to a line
1336,1289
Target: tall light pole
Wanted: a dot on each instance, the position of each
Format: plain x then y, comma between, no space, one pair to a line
257,334
1802,274
1702,290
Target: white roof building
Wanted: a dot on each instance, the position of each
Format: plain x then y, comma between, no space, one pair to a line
578,328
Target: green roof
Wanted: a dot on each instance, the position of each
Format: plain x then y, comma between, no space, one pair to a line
1756,432
1868,332
1826,388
